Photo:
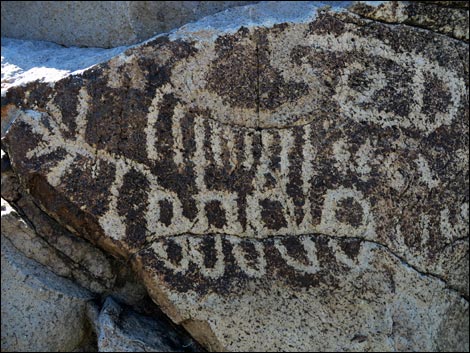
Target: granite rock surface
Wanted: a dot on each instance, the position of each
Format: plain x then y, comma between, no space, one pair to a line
101,24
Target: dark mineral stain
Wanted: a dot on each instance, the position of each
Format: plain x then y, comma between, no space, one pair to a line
233,74
117,119
436,96
349,211
174,251
295,185
209,252
172,177
22,136
132,206
187,130
326,23
215,214
166,212
243,75
279,269
272,214
249,252
234,278
156,72
296,250
317,197
397,94
66,99
269,181
89,182
273,89
351,247
275,151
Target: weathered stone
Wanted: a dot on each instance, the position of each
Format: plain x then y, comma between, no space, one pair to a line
301,185
446,17
25,61
101,23
41,312
61,252
122,330
42,239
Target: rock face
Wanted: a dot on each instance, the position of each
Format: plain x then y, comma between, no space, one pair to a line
101,23
121,330
296,185
52,279
446,17
41,312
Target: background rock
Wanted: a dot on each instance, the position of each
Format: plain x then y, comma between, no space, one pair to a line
36,262
101,23
122,330
64,254
40,311
24,61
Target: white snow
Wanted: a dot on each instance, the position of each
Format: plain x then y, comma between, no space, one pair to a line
24,61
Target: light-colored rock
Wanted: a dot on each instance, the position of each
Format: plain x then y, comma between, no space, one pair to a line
101,23
363,300
65,254
437,16
24,61
122,330
61,252
41,312
280,183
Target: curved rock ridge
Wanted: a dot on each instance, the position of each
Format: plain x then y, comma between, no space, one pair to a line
272,184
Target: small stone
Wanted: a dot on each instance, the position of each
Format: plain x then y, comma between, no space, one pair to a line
122,330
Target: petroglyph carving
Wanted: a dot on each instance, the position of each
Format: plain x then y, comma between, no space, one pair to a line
310,250
262,134
254,265
301,184
359,221
214,257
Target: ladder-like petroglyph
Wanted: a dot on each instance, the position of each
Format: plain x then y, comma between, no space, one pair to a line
298,129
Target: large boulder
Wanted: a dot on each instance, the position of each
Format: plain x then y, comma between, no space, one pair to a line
282,177
101,23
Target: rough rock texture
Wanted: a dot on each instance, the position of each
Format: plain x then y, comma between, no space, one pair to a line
122,330
24,61
41,312
446,17
298,184
42,239
101,23
34,245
